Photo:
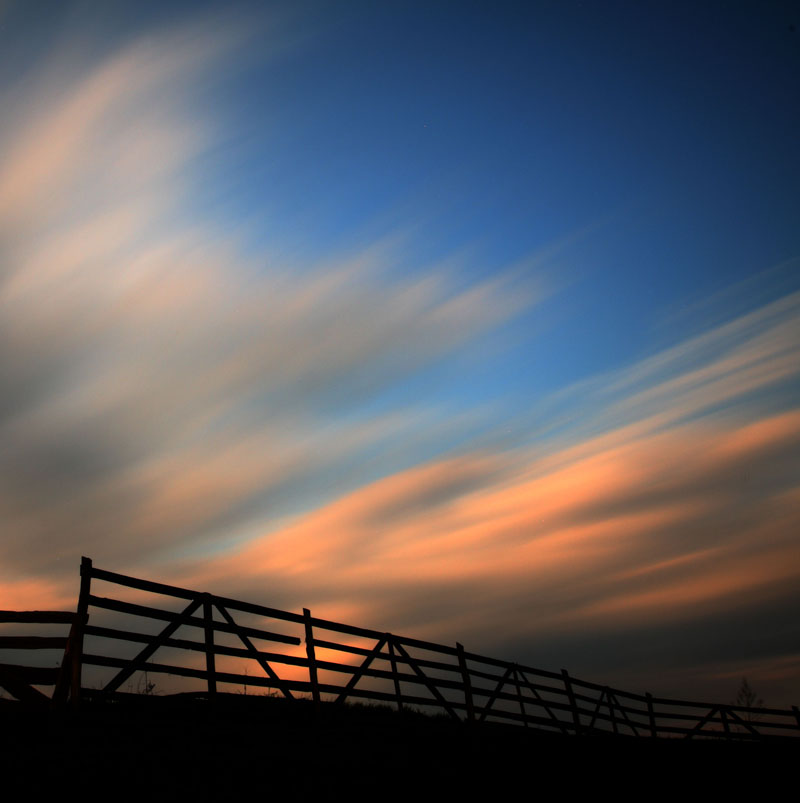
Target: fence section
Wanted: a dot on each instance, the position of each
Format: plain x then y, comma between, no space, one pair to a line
21,681
217,641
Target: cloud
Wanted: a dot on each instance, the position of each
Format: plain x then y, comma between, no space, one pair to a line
175,405
165,387
682,519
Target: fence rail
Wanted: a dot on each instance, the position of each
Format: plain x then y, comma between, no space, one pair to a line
301,655
20,680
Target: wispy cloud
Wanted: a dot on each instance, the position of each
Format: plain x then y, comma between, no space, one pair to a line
174,404
674,503
161,389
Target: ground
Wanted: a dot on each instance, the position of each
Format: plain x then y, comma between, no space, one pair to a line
168,747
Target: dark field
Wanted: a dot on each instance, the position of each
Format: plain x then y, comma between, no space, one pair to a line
169,747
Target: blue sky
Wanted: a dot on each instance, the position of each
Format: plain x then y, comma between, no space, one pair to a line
651,148
270,269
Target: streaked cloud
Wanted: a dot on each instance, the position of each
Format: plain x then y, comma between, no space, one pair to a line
686,512
164,386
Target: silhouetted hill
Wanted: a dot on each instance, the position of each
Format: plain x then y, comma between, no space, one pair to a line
181,745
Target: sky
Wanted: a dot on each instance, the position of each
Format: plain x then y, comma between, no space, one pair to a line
470,321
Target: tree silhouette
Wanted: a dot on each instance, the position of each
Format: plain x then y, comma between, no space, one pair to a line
747,697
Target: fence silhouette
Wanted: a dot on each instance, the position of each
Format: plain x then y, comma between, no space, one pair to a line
331,661
20,680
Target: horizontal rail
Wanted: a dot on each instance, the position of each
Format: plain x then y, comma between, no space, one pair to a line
726,706
142,585
674,715
185,593
35,675
38,617
33,642
499,662
196,646
385,656
193,621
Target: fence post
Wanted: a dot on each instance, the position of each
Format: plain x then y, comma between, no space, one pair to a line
651,715
462,662
76,640
611,712
519,697
208,619
397,692
724,717
312,657
576,717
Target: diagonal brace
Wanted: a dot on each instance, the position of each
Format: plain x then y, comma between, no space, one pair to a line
699,725
150,648
597,708
745,723
563,727
360,671
623,712
493,697
250,646
427,681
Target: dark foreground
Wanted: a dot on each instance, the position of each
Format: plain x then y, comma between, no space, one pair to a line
177,747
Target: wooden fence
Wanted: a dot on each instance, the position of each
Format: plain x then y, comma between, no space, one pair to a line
298,655
21,680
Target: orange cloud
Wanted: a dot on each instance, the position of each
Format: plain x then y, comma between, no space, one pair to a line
37,595
639,528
